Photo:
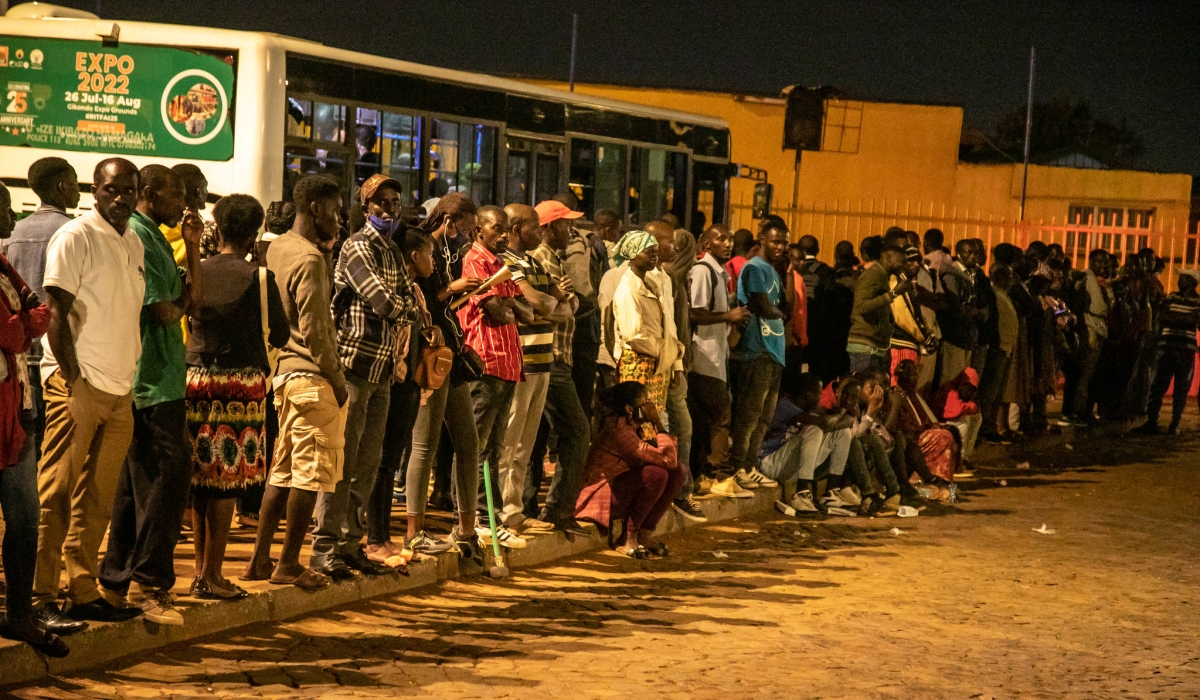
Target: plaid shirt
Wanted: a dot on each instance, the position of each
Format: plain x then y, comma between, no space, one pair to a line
564,333
372,301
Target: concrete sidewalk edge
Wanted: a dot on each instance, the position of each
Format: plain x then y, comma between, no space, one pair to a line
103,643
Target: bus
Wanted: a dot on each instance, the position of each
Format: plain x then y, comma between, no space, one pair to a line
256,111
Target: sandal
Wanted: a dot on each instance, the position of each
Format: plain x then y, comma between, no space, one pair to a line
638,552
205,590
659,550
309,580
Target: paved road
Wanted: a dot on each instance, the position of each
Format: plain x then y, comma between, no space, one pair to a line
968,602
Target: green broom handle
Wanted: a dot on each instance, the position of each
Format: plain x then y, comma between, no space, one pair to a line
487,487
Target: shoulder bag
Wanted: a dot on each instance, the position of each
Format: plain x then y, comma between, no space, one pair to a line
272,353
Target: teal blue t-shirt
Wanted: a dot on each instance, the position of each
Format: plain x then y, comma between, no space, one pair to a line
162,369
763,336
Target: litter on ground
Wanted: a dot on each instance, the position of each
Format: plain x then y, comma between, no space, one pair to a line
1044,530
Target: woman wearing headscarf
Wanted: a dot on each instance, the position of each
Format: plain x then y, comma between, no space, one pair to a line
646,347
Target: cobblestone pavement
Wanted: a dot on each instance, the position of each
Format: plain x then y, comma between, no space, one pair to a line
968,602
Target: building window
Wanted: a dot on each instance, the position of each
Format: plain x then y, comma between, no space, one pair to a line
842,126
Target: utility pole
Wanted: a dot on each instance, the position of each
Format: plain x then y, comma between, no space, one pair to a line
1028,131
574,38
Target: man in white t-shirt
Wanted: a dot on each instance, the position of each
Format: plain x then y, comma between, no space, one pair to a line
711,316
95,283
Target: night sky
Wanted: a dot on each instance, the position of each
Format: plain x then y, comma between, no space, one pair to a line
1135,60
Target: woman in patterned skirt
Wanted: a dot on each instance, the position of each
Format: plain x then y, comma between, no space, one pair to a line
227,386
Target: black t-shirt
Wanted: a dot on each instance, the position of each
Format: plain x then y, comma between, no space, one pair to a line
226,331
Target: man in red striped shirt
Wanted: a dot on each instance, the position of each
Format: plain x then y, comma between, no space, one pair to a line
489,321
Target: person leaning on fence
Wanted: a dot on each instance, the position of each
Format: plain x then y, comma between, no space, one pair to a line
227,389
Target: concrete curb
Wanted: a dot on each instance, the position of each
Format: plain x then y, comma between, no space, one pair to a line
102,643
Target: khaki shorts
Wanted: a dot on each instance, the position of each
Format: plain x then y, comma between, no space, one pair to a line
309,450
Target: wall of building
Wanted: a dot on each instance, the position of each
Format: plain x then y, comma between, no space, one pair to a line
890,162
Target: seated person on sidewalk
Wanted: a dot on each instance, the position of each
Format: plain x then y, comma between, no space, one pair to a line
954,404
632,470
916,422
867,466
802,436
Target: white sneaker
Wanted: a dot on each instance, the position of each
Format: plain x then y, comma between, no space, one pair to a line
729,488
850,497
704,485
759,478
832,500
744,480
156,603
507,537
802,502
531,527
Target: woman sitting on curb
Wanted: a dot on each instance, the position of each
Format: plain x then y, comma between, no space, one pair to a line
632,470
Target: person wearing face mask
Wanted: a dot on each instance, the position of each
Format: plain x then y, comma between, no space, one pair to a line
88,373
372,304
310,386
152,491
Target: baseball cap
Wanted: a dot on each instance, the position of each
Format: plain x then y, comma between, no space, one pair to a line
550,210
373,183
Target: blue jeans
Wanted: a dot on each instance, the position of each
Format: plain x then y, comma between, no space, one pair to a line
19,500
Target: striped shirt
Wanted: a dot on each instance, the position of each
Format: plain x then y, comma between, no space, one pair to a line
497,343
372,301
1180,316
564,333
537,337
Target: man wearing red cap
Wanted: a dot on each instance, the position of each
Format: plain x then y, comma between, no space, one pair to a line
372,302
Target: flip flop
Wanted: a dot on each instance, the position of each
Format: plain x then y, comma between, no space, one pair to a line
659,550
309,580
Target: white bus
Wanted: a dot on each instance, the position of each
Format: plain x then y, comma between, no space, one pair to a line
256,111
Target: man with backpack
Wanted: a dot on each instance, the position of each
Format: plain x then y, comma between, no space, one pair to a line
712,318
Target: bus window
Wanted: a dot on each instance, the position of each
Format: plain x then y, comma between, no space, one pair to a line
597,175
547,177
366,144
299,118
516,189
462,158
329,122
655,177
401,151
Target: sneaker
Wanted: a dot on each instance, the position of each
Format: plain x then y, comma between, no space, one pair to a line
157,604
752,479
802,503
1063,422
688,508
833,499
470,551
704,485
849,496
424,543
507,537
729,488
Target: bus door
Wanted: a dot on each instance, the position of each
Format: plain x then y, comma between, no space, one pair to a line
534,170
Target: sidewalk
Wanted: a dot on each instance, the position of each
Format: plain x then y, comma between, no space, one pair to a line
105,642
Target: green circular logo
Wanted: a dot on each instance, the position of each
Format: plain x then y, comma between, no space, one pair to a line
194,106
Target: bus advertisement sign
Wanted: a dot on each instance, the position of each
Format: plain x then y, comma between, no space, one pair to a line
131,99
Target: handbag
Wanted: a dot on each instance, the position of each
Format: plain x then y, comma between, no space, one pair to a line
435,365
468,366
272,353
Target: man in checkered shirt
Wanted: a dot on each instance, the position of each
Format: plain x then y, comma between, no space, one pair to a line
372,303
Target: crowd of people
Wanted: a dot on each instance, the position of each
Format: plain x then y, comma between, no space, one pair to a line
314,363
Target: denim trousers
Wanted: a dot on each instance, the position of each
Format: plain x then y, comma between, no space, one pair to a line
341,513
1171,364
450,406
397,443
756,390
152,494
565,417
19,501
491,398
679,425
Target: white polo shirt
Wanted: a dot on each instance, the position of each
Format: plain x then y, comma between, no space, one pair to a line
103,269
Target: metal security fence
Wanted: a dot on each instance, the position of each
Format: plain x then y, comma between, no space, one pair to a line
1078,233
